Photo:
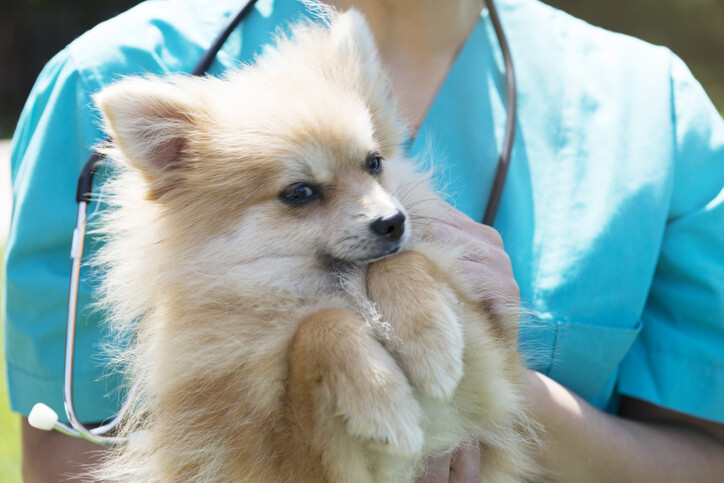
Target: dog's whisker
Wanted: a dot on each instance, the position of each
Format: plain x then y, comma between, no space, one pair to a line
409,187
419,202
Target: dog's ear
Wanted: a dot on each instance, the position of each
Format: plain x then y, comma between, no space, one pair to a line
351,37
353,43
149,120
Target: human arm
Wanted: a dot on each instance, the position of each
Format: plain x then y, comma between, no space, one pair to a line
642,443
583,444
48,455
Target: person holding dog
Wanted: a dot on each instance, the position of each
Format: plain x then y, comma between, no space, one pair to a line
611,218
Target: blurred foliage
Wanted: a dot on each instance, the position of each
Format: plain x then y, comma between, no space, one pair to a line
31,31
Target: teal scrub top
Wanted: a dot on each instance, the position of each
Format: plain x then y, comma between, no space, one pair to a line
613,212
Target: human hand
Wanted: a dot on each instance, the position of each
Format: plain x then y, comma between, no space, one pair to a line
484,265
462,465
487,280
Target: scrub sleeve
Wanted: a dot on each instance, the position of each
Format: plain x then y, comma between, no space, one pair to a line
51,143
678,359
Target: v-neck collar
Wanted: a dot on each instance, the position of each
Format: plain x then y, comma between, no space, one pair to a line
465,123
463,54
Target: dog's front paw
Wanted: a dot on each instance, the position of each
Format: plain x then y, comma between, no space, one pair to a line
433,359
338,369
385,412
379,405
410,293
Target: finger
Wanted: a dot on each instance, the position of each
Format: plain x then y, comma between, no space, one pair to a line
492,282
437,469
465,464
478,238
453,217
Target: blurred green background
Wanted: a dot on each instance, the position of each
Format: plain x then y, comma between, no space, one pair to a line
32,31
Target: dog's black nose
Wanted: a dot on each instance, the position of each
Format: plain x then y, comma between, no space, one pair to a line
390,227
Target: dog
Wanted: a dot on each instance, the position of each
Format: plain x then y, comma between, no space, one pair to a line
269,257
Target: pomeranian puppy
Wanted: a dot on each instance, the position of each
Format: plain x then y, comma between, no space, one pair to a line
290,318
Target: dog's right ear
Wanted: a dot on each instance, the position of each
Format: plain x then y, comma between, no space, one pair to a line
150,121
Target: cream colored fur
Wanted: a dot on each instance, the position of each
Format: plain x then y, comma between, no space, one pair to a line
279,342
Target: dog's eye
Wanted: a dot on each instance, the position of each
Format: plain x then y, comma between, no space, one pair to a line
299,193
374,163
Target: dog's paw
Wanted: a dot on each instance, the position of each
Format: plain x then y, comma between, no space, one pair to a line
387,415
433,360
397,433
411,294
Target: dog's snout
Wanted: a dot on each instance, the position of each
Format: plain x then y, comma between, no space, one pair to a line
389,227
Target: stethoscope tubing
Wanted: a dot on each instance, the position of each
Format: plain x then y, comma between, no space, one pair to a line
511,103
97,435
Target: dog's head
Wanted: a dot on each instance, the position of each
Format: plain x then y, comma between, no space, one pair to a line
293,156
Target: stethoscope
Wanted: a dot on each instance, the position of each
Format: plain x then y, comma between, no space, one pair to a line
45,418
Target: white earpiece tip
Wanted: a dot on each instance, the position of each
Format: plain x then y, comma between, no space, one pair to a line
42,417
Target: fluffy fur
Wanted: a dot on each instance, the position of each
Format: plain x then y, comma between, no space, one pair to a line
276,341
